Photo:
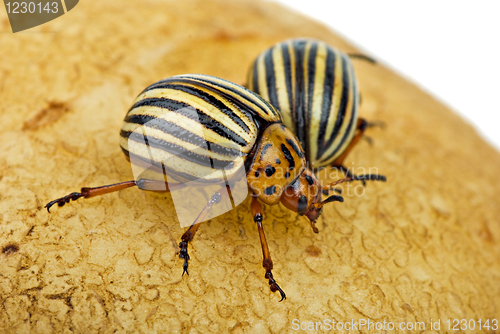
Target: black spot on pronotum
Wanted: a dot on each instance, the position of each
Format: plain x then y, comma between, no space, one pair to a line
10,249
257,174
264,150
270,170
278,161
309,180
288,156
295,148
302,205
270,190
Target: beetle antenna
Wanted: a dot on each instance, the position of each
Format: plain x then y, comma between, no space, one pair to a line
362,57
333,198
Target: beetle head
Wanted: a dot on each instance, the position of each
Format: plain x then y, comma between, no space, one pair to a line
304,196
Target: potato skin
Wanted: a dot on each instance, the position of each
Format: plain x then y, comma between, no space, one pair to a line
424,245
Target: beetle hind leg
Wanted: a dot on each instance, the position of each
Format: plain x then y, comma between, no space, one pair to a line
360,130
267,263
63,200
90,192
86,192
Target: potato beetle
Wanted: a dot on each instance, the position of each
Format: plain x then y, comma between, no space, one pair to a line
231,116
314,87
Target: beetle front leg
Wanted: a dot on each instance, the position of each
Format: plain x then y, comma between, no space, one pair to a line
187,237
267,263
189,234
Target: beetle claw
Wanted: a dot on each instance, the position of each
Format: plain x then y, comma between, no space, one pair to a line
368,139
63,200
184,255
185,267
273,285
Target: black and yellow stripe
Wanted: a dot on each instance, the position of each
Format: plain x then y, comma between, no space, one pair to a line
314,87
194,128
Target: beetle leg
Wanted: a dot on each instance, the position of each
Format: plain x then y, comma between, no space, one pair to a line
326,192
362,124
267,263
362,57
90,192
369,140
374,124
85,192
189,234
339,162
365,177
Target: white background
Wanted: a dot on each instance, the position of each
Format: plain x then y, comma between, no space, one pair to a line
449,48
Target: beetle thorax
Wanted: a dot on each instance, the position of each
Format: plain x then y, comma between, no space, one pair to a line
277,162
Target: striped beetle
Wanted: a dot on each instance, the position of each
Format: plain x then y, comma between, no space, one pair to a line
231,116
314,87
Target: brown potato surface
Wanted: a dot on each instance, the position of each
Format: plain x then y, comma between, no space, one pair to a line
425,245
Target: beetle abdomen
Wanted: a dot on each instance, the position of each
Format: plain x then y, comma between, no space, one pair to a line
315,88
196,128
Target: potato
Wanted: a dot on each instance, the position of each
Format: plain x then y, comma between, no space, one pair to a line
424,245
